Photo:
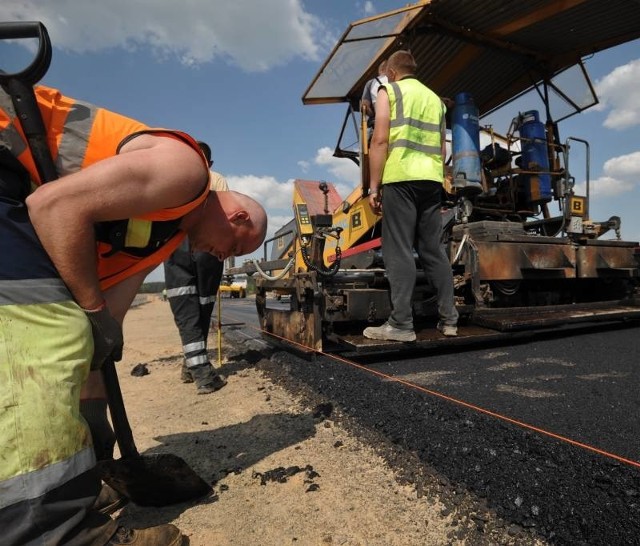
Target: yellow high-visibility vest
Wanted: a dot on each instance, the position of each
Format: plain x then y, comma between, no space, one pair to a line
416,119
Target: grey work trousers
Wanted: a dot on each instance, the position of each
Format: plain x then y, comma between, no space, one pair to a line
411,218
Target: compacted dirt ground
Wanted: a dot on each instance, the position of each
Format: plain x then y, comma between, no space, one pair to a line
283,464
313,451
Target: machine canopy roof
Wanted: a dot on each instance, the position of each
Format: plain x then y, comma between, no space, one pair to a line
494,49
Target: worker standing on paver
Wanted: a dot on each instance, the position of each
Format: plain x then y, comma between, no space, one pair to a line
407,172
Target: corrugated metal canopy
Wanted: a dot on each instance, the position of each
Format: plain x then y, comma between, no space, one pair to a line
494,49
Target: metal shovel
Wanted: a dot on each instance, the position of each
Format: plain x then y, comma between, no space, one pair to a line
149,480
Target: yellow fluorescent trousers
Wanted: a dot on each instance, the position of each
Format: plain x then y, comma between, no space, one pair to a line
45,351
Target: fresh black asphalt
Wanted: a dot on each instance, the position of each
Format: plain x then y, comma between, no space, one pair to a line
581,386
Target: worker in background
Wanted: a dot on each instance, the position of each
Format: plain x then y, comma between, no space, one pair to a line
192,280
76,267
407,172
370,95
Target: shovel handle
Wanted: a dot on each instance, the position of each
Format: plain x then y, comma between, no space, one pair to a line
121,426
33,73
19,86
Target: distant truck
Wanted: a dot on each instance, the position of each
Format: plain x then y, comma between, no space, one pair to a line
232,289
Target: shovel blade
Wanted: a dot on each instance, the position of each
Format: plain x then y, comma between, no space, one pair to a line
154,480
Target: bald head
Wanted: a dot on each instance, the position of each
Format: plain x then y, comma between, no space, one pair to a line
256,221
228,223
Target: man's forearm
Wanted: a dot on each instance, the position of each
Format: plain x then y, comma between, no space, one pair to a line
377,158
72,248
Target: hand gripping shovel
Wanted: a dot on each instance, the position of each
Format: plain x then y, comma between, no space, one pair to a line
149,480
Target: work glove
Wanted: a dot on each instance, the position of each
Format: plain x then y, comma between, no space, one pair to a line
107,336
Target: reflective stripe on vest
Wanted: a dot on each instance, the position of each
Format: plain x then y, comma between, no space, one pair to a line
415,141
79,134
72,147
69,124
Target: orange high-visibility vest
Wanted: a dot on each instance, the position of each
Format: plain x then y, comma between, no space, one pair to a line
80,134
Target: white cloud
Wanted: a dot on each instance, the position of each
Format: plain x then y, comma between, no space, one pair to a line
605,186
252,35
265,189
624,166
620,175
618,93
276,197
369,8
343,169
279,221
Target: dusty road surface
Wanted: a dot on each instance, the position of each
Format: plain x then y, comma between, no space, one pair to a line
284,468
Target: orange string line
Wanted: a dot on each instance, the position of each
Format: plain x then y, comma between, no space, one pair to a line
460,402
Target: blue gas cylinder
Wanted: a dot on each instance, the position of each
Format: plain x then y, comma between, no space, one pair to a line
465,132
536,187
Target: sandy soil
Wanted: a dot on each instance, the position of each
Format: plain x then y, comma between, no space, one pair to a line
302,451
337,490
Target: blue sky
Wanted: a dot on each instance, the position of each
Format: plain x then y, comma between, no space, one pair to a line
232,72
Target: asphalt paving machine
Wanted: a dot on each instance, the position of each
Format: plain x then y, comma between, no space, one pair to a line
524,250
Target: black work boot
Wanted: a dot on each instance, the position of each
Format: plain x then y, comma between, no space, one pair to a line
206,378
160,535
